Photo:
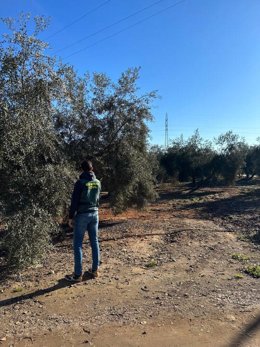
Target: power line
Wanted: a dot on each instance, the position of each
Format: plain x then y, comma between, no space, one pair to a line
253,133
246,130
108,26
78,19
223,127
127,28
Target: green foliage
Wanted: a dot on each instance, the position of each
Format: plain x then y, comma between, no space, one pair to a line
152,263
240,257
252,162
238,276
155,155
189,159
28,236
107,121
196,159
31,160
17,290
131,182
231,157
253,270
35,180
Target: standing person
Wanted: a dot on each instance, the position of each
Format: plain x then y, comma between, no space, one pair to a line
83,216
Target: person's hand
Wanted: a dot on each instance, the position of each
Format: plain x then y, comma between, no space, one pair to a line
71,223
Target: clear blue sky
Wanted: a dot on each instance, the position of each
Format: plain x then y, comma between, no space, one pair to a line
203,56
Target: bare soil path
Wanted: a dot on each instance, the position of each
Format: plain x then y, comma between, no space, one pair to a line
171,275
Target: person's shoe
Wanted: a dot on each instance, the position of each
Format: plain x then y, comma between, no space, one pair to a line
73,278
93,274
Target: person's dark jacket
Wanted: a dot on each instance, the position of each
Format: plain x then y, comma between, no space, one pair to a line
85,196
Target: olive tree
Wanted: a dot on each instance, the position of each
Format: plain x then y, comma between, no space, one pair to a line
231,156
107,121
252,162
33,173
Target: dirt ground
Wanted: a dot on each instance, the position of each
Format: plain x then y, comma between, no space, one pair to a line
171,275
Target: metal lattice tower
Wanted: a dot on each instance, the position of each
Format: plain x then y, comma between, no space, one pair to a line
166,131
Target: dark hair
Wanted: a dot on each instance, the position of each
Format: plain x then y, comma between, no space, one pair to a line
86,165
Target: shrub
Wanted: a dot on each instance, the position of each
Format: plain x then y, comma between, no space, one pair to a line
253,270
28,236
238,276
240,257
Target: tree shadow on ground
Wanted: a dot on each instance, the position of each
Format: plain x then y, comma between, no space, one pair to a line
62,283
188,191
4,272
255,238
248,182
246,333
106,224
240,212
240,204
184,194
236,212
67,232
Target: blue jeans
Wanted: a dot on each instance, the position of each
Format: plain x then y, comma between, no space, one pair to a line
86,222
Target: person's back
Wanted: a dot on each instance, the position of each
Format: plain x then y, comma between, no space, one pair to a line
89,199
84,213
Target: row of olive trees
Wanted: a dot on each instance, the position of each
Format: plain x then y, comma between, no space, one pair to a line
199,161
50,119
